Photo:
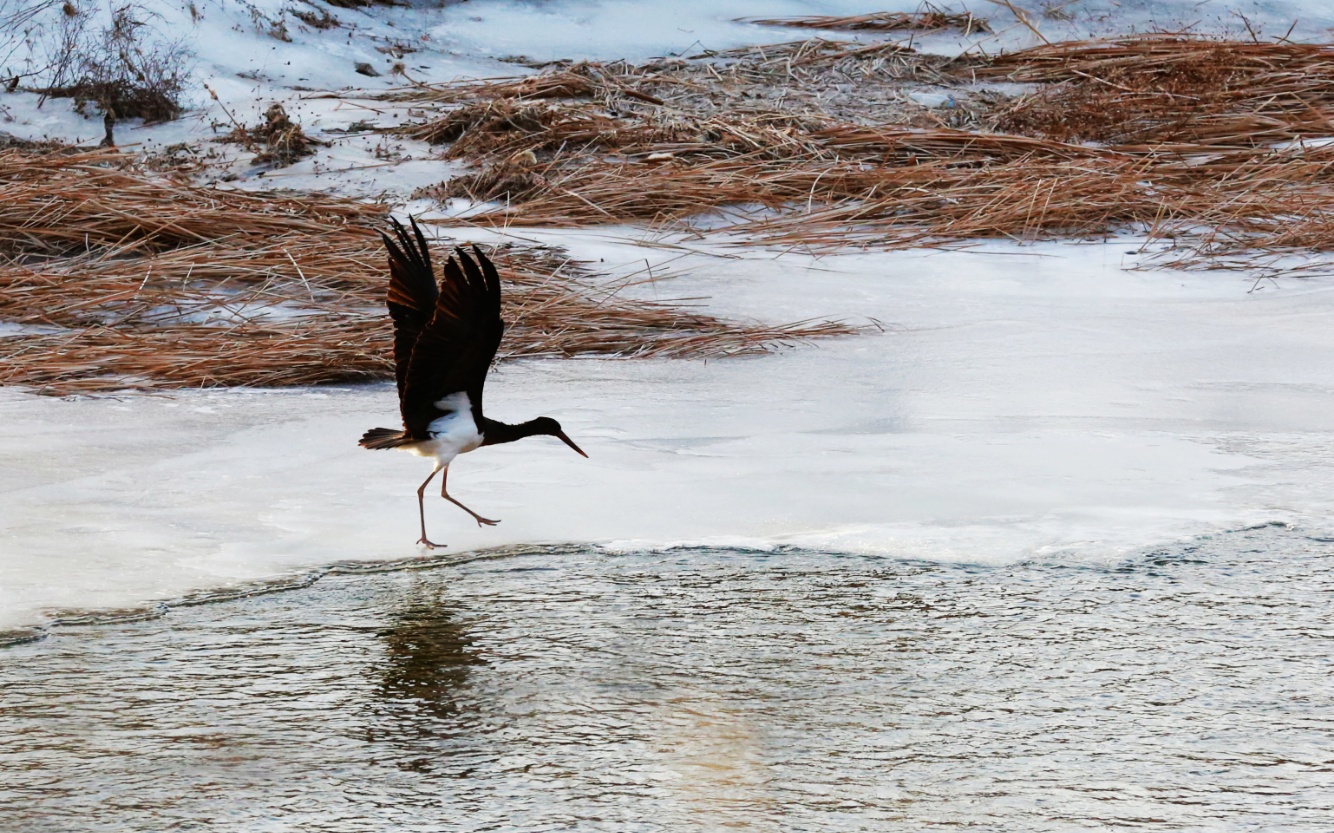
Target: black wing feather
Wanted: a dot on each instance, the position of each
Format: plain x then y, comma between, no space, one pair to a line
490,326
455,349
412,294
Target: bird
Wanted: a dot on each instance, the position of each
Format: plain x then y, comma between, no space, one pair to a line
445,339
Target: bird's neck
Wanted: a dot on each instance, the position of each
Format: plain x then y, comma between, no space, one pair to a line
495,433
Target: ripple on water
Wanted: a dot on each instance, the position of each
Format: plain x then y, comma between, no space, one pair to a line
1183,689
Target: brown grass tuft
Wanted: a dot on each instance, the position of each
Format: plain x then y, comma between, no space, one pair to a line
507,126
279,141
126,279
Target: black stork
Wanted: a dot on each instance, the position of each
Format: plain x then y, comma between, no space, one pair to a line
445,338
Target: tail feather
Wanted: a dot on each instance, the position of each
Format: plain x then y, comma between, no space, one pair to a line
385,438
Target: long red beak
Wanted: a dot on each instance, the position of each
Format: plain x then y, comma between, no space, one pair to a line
569,442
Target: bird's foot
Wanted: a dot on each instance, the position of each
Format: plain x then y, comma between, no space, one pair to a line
485,521
430,545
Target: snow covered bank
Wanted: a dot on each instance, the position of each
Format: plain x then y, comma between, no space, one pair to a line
240,54
1036,402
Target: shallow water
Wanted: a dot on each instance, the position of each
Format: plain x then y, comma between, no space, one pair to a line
1183,689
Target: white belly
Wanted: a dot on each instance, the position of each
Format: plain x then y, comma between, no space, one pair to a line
453,434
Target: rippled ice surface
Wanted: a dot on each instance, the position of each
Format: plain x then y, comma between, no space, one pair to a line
1183,689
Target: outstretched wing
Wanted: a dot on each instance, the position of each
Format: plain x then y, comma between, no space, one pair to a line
412,293
456,348
491,327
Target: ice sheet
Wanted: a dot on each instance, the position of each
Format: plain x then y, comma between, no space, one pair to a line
1036,402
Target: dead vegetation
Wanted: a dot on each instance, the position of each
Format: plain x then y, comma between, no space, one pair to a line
929,19
815,79
361,4
124,278
278,142
321,21
119,278
126,70
1201,143
1164,93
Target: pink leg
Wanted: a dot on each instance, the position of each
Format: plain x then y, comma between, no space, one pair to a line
421,509
444,478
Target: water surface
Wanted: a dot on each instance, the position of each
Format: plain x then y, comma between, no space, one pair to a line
1182,689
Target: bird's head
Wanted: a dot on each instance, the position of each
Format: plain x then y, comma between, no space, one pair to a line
550,427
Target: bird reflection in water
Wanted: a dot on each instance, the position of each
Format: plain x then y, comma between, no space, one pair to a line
421,698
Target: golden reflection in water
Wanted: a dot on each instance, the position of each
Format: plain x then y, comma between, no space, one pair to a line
713,757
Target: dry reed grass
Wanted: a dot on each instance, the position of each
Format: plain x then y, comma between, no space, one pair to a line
279,140
929,20
142,280
1244,208
1169,92
127,279
813,78
582,80
506,126
828,203
1171,135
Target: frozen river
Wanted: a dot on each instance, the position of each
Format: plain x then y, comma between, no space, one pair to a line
1020,403
1184,688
